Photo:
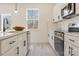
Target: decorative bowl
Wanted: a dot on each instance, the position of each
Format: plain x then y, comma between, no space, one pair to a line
18,28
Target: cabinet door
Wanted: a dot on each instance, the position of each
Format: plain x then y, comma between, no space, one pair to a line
66,49
11,52
22,38
77,8
25,43
8,44
57,13
51,41
22,48
70,50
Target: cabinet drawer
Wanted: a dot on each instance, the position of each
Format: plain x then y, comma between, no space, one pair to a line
7,44
72,40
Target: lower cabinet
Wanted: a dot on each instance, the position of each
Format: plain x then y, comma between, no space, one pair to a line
22,48
71,47
70,50
18,49
11,52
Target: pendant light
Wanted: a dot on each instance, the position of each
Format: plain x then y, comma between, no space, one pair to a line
16,11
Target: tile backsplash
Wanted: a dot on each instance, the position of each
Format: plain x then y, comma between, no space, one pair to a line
64,24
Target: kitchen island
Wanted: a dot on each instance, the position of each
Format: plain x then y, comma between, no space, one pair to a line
13,43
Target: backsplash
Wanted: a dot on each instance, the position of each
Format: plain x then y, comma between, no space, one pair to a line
64,24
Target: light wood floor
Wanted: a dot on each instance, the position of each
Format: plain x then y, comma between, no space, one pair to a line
41,50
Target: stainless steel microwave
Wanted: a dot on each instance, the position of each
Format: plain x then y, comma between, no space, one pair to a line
68,10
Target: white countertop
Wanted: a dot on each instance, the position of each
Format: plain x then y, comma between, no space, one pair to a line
4,35
73,34
76,34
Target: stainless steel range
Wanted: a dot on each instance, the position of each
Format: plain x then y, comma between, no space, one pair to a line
59,43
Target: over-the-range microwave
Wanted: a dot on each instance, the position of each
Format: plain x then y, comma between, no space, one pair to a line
68,10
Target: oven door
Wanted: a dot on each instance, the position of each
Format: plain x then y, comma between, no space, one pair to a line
59,46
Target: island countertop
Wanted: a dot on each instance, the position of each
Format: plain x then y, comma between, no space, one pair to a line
4,35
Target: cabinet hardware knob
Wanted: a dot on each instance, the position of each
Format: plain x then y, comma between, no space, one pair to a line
12,42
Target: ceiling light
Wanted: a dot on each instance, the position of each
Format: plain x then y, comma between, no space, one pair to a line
16,11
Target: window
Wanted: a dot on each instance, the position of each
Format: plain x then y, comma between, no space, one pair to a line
32,17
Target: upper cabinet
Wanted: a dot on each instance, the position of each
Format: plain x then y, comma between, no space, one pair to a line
57,13
77,8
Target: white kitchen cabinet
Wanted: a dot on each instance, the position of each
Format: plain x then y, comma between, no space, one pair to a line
20,49
14,46
77,8
11,52
51,38
70,50
8,43
23,45
71,46
57,13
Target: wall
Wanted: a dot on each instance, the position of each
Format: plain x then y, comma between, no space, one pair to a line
39,35
63,25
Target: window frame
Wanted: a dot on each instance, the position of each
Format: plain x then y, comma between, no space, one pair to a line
33,19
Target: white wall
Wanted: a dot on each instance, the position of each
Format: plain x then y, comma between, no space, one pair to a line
39,35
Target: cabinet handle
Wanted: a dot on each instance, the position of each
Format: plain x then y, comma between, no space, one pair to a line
12,42
72,40
72,52
24,43
69,49
17,50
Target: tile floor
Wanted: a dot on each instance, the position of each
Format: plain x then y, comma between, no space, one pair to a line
41,50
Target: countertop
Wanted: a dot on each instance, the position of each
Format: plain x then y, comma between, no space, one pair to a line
4,35
76,34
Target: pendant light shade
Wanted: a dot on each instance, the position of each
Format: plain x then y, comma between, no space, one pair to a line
16,11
